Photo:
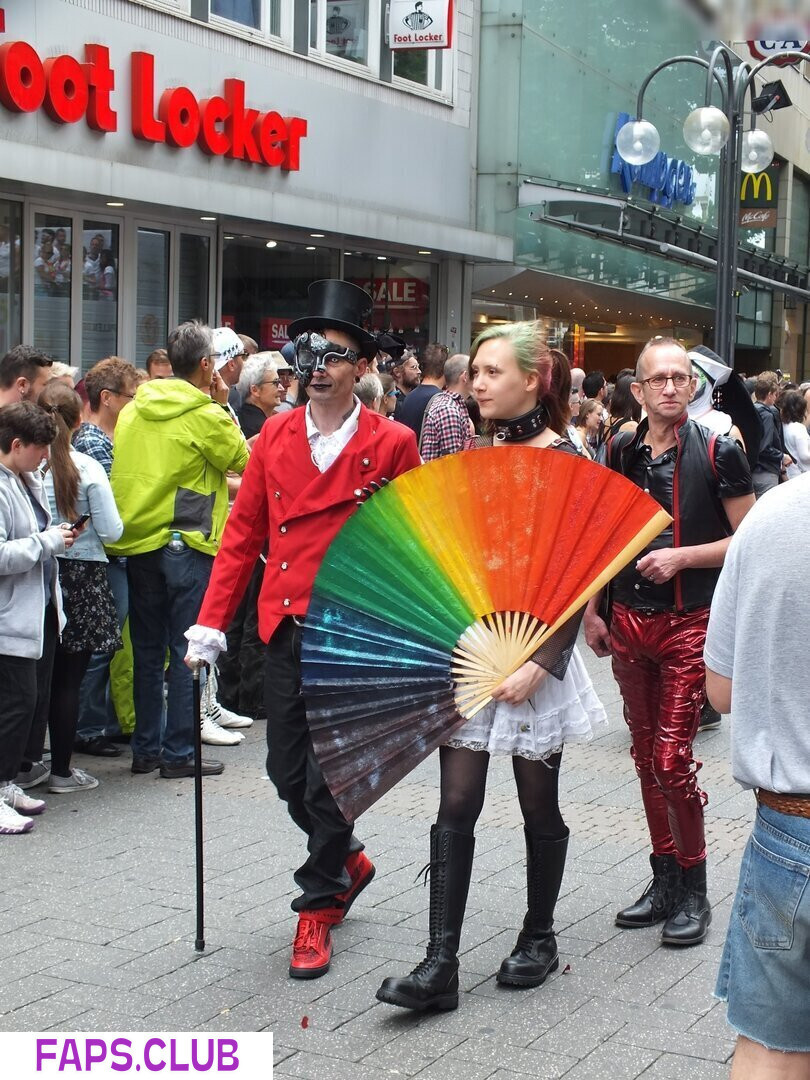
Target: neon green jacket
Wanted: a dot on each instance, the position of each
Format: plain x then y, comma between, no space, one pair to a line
173,445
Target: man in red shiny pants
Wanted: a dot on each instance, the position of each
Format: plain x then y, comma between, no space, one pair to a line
657,627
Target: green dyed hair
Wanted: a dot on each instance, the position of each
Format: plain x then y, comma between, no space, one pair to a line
528,344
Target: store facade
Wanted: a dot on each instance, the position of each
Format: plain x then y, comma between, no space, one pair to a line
556,83
168,160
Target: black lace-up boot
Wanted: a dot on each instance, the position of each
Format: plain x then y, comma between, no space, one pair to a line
433,984
691,914
657,901
534,956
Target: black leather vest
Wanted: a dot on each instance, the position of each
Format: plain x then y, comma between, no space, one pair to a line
697,509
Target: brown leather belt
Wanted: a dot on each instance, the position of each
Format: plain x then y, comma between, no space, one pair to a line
797,805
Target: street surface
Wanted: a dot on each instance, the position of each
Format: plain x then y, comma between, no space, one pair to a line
97,925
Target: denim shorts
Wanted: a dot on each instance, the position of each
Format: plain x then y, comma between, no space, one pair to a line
765,970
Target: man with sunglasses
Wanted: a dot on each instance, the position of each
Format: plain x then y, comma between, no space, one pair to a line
308,470
656,626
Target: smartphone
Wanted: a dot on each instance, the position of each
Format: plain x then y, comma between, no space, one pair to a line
77,524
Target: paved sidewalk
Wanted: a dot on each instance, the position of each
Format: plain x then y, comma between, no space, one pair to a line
97,926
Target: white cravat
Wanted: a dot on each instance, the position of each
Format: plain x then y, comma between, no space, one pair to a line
326,449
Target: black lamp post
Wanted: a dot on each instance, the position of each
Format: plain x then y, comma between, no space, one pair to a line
716,131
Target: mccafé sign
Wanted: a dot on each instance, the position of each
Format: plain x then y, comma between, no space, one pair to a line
223,126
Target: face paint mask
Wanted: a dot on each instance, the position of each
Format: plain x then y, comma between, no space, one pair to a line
313,352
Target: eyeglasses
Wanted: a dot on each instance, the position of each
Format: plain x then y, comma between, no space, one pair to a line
269,382
658,382
118,393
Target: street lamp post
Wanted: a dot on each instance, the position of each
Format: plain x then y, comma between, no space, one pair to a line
719,132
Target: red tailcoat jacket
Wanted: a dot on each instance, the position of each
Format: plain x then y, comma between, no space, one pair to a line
298,510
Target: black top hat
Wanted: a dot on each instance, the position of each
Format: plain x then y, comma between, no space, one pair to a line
341,306
391,344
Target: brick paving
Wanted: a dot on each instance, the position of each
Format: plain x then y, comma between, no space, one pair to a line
97,926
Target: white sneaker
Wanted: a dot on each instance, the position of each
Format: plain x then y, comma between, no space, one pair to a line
37,774
16,798
78,780
11,822
224,717
230,719
214,735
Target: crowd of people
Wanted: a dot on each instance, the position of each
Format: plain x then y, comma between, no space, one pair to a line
175,518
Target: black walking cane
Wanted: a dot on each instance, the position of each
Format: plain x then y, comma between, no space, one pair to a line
199,942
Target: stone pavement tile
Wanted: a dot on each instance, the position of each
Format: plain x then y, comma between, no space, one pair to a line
180,927
694,991
397,951
472,1015
447,1068
577,1036
186,979
134,1003
684,1043
714,1023
413,1051
590,977
605,1008
39,1015
96,974
75,931
629,947
225,858
359,991
486,958
568,946
349,1046
103,1020
281,1053
616,1062
167,959
529,1014
514,1059
317,1067
676,1067
655,975
18,992
195,1008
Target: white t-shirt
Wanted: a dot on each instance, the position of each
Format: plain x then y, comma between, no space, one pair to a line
797,444
757,637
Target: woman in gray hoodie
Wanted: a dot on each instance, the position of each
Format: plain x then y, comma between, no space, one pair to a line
30,601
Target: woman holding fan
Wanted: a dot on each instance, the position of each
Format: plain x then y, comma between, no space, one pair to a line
523,392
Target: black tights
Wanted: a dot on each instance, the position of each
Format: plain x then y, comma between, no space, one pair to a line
463,784
68,672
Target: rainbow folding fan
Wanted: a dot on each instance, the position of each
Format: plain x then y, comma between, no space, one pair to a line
444,583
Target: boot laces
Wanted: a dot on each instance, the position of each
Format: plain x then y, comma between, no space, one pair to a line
307,936
426,871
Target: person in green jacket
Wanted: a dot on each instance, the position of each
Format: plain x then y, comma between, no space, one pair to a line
173,446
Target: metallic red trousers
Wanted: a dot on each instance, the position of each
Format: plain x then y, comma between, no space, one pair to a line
658,664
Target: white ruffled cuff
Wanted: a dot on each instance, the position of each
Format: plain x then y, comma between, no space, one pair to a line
205,643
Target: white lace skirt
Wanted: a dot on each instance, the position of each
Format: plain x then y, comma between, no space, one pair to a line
561,711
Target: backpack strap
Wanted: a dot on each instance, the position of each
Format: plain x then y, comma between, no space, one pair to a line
712,448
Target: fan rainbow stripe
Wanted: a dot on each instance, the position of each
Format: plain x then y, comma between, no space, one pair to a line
446,581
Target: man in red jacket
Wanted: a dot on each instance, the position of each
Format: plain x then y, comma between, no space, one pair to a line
306,473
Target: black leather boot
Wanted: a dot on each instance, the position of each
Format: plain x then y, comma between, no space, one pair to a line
657,901
433,983
689,922
534,956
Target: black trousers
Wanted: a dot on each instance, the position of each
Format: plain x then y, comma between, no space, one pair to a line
26,696
240,670
293,768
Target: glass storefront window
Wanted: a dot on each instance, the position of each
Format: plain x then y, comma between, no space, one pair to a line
10,274
53,268
152,303
342,27
800,221
255,14
265,283
426,67
99,263
192,300
401,289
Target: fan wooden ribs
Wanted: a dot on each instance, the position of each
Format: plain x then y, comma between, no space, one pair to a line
490,650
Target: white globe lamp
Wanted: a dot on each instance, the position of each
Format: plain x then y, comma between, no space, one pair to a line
638,142
756,151
706,130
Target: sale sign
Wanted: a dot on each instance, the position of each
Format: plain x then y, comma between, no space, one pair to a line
273,332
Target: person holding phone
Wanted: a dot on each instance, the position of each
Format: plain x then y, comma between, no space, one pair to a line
29,584
79,492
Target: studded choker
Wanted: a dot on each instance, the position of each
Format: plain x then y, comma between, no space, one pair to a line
522,427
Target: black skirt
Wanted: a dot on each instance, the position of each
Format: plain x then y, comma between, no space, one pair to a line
92,622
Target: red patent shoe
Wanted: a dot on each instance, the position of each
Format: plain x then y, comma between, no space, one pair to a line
312,948
360,870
